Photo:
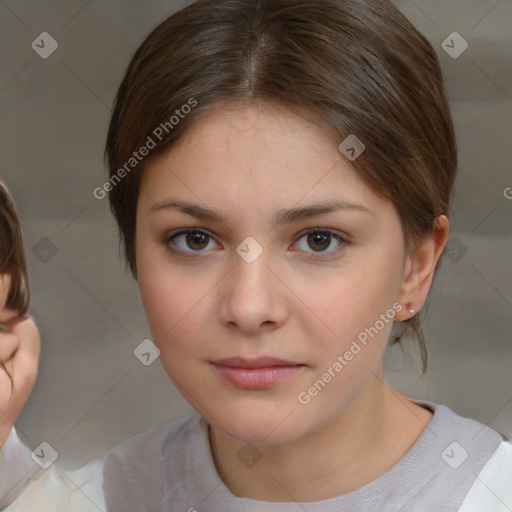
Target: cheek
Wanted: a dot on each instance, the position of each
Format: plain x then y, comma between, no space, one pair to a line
168,300
348,311
174,301
350,340
353,299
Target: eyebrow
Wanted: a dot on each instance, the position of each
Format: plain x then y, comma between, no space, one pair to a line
280,217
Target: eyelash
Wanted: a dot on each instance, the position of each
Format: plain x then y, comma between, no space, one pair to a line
316,256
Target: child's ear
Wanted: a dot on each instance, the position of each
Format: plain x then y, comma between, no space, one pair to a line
419,269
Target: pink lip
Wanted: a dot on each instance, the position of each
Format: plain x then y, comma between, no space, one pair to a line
258,362
258,373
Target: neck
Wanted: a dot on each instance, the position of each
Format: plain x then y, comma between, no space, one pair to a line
367,439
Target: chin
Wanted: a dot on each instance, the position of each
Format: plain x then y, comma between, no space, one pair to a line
250,424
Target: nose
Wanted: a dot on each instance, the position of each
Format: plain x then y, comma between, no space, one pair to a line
253,296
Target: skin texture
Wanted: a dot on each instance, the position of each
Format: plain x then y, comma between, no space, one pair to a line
20,347
248,163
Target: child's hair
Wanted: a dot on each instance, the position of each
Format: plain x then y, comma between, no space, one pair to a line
354,66
12,255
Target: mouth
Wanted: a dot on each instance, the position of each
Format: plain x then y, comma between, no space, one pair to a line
259,373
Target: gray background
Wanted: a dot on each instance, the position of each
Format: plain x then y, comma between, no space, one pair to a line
92,392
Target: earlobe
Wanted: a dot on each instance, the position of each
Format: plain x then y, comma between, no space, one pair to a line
420,268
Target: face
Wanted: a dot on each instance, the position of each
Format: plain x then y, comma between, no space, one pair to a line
243,285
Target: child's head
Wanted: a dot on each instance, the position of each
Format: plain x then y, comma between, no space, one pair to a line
238,106
13,270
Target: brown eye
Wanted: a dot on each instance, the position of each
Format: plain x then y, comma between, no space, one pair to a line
188,241
319,240
196,241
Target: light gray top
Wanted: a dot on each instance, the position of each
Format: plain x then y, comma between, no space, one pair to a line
170,468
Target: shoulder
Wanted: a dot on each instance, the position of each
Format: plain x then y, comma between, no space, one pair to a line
492,489
57,490
152,441
136,472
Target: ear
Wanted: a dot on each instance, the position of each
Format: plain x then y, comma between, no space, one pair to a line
419,269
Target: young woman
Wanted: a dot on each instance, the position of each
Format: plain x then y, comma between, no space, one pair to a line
281,174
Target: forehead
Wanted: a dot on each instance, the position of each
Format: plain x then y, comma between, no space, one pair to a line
255,157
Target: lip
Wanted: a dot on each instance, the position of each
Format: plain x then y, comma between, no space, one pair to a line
259,373
258,362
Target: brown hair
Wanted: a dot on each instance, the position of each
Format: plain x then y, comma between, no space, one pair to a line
356,66
12,255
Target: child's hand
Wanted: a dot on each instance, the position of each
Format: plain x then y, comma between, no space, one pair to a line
20,346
